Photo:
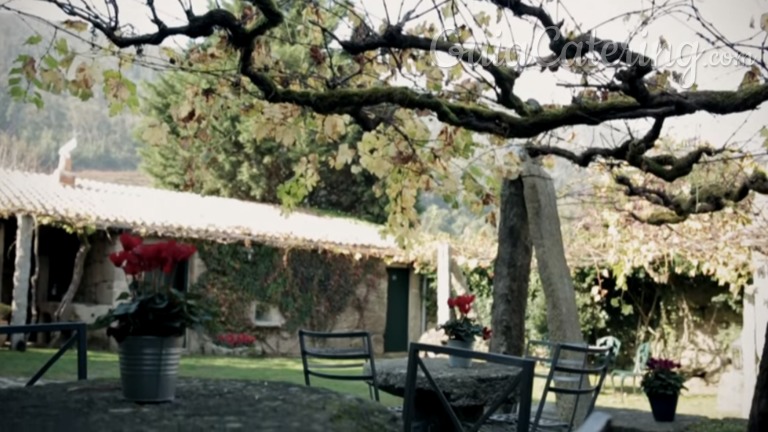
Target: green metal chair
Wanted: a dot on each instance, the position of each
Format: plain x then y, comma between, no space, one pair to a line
614,345
642,354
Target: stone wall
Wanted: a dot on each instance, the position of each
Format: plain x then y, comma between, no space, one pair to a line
102,283
367,311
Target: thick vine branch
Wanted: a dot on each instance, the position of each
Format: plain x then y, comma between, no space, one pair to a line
698,200
565,48
393,38
633,151
471,117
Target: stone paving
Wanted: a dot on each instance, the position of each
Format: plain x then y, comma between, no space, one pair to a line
19,382
623,420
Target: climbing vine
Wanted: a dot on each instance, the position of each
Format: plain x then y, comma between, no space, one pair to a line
310,288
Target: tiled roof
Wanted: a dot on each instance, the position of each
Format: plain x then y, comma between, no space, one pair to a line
186,215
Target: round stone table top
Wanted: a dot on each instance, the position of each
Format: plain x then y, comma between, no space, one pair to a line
477,385
201,405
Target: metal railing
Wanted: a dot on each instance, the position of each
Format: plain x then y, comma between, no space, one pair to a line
79,336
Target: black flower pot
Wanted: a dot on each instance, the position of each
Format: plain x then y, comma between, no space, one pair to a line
663,406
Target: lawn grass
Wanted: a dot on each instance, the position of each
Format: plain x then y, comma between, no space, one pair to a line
14,364
105,365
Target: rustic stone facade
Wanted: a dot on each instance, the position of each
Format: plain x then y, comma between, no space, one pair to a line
102,283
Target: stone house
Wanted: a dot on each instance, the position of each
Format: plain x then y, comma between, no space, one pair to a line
45,204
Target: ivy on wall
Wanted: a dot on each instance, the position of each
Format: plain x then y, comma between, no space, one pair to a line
633,306
311,288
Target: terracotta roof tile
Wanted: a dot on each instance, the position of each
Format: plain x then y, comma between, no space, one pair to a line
181,214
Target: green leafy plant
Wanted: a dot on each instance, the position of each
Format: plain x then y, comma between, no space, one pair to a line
662,378
5,312
464,328
152,307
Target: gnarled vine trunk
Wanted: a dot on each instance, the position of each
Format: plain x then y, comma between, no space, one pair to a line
74,284
512,271
35,276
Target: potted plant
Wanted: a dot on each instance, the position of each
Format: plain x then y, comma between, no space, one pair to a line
662,383
152,317
461,329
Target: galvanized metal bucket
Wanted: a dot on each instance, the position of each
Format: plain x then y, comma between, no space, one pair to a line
460,362
149,366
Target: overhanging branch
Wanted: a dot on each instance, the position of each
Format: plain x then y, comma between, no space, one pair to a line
699,200
472,117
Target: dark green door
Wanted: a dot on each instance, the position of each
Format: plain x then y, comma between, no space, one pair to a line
396,333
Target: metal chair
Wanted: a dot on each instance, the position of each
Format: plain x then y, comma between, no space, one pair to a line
346,364
521,384
571,370
576,364
611,342
642,354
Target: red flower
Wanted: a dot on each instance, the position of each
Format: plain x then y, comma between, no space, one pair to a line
662,364
463,302
486,333
234,340
118,258
137,257
129,242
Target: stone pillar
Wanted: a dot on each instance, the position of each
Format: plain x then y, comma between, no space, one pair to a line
755,315
23,267
2,255
562,314
443,282
544,221
459,283
749,367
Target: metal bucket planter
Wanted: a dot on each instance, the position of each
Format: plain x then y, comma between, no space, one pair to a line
460,362
148,368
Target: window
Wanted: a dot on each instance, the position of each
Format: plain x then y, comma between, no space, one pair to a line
264,315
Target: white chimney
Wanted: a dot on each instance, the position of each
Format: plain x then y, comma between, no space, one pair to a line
63,171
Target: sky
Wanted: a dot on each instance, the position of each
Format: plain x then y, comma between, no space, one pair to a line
731,17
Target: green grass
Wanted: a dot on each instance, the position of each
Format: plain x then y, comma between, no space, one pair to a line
105,365
15,364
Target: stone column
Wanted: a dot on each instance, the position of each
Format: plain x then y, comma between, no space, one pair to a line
23,267
443,282
562,314
544,221
755,315
749,366
2,255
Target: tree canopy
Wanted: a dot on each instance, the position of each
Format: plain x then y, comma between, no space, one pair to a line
424,124
232,152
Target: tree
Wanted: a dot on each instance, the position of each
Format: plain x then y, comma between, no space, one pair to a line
612,82
30,138
232,154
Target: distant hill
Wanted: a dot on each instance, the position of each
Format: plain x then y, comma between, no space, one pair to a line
104,143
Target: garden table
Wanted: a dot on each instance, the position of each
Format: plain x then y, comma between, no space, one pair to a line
468,390
201,405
